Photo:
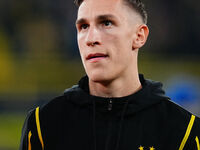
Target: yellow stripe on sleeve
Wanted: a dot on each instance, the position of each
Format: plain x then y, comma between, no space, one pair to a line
197,141
29,140
189,128
38,127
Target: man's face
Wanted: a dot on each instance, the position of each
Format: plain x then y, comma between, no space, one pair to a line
106,33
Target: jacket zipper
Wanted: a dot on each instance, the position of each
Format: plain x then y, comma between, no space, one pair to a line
110,105
109,127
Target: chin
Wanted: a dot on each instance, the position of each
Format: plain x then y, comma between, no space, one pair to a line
98,77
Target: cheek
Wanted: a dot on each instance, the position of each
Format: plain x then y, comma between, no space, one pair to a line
119,38
80,41
112,41
119,44
121,53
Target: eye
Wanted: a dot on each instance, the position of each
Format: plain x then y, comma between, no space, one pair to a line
84,26
107,23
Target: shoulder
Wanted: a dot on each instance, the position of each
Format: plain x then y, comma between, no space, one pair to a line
174,110
62,102
57,105
178,116
185,123
65,97
172,115
52,113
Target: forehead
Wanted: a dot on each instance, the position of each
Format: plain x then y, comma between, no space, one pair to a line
92,8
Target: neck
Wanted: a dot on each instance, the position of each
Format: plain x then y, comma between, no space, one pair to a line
117,88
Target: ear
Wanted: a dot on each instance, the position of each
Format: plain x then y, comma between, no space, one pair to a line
142,33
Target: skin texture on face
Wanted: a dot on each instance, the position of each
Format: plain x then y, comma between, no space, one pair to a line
109,35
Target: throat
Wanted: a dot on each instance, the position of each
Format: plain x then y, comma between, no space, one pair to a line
113,89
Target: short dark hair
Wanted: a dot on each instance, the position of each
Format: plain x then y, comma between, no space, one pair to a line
137,5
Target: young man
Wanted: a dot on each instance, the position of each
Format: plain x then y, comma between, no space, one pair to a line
112,108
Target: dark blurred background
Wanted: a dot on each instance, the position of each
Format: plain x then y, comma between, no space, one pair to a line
39,57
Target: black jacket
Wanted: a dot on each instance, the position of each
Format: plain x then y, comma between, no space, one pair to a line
146,120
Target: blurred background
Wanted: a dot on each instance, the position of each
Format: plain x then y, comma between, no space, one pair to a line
39,57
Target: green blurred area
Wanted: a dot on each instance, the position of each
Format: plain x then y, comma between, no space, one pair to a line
35,71
10,130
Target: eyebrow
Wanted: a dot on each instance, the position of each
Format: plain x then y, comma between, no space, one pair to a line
100,17
104,17
80,21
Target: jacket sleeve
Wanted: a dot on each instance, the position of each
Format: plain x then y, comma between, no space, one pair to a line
194,136
29,138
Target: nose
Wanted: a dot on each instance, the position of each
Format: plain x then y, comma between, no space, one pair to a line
93,37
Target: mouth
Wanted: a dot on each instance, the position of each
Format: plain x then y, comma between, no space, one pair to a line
96,56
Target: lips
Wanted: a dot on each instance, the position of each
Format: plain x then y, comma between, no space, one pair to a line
96,56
